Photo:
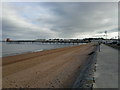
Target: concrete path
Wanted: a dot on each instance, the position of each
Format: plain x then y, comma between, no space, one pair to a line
106,75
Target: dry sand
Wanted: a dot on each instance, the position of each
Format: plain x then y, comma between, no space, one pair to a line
57,68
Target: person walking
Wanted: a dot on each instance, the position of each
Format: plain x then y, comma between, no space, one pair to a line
99,43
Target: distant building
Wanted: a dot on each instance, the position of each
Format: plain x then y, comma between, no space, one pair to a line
93,39
41,40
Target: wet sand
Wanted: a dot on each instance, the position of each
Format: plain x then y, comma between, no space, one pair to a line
56,68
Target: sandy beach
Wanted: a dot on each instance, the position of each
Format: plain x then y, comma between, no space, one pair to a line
56,68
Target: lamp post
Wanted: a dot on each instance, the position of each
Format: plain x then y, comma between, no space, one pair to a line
106,35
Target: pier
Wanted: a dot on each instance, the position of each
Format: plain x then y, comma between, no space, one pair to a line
50,41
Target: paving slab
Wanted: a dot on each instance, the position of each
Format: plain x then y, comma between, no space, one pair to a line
106,75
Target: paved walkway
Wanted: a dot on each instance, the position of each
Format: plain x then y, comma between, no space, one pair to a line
106,75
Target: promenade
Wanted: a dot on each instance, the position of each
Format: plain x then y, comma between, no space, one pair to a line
106,75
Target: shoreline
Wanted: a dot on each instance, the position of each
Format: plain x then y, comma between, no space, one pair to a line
14,54
24,52
56,68
31,54
10,53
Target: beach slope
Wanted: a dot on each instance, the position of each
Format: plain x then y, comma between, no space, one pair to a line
56,68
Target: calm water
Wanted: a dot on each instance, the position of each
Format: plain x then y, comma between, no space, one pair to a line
9,49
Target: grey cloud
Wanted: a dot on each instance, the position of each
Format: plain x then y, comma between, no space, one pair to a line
81,17
17,32
70,19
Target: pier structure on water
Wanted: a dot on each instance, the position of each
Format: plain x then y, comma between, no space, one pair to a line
50,41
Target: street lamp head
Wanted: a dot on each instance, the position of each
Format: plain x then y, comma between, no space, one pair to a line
105,31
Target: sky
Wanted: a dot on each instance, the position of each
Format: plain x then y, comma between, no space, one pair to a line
39,20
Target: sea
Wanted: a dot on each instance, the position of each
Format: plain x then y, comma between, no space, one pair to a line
11,49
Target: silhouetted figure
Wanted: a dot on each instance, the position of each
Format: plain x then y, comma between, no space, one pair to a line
99,45
8,39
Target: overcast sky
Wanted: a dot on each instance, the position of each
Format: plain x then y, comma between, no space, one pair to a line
26,20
